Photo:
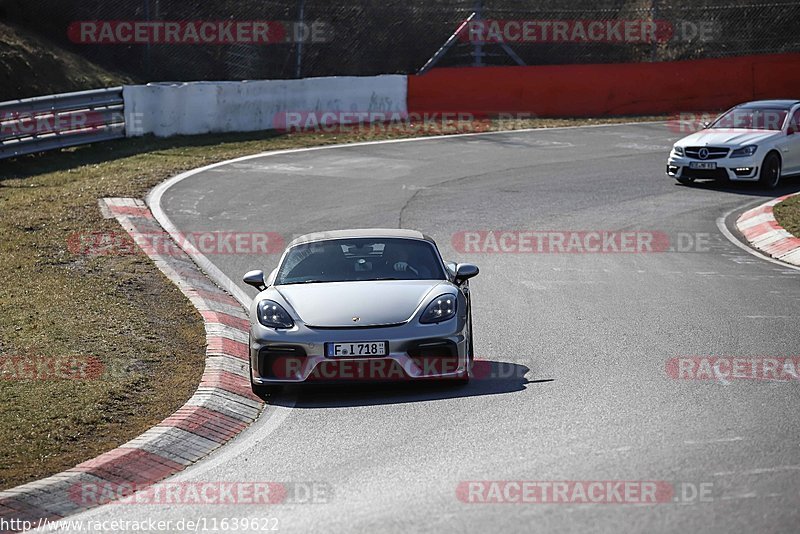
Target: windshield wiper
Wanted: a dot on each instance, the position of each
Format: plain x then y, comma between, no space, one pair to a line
311,282
342,281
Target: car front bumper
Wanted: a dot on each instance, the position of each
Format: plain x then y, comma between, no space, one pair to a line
733,169
416,352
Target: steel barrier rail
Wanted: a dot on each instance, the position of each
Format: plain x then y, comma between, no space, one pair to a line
59,121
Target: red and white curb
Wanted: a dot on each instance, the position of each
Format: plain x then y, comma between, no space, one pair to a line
222,407
764,233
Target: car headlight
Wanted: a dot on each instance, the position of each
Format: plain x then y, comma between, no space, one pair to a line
678,150
744,152
443,308
273,315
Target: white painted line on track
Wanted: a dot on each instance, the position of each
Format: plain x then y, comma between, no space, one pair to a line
712,441
733,239
739,497
614,451
761,471
243,444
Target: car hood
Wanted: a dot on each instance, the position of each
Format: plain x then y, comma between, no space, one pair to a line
728,137
337,304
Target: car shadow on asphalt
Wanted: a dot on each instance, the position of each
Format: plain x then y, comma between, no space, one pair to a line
787,186
490,378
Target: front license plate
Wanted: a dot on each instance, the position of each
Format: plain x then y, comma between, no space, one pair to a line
355,350
703,165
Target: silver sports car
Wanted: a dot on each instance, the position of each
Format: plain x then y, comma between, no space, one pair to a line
361,305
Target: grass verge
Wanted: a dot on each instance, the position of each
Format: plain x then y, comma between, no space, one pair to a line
118,310
788,215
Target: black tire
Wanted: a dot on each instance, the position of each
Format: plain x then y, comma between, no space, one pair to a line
471,360
685,181
770,175
462,380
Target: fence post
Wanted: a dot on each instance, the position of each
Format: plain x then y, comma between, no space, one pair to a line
477,49
302,19
147,58
654,15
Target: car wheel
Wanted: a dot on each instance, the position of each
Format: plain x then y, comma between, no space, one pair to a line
471,337
464,379
770,171
685,181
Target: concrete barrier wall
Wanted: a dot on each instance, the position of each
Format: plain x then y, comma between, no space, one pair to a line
546,91
604,90
209,107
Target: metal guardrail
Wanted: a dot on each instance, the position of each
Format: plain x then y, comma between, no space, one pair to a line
59,121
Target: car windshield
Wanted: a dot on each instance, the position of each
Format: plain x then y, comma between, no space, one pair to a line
346,260
752,119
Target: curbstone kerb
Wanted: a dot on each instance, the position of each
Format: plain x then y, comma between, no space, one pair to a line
222,407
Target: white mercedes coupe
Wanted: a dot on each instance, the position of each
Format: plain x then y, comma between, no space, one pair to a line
754,142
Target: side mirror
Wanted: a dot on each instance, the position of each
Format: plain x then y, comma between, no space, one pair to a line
465,271
255,279
792,130
705,124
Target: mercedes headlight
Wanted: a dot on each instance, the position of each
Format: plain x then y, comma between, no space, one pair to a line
744,152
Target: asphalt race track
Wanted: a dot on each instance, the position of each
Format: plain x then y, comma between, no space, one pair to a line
579,343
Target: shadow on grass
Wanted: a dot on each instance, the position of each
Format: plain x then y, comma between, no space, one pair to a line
61,160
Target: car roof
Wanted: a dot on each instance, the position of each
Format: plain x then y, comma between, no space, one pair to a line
773,104
373,233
